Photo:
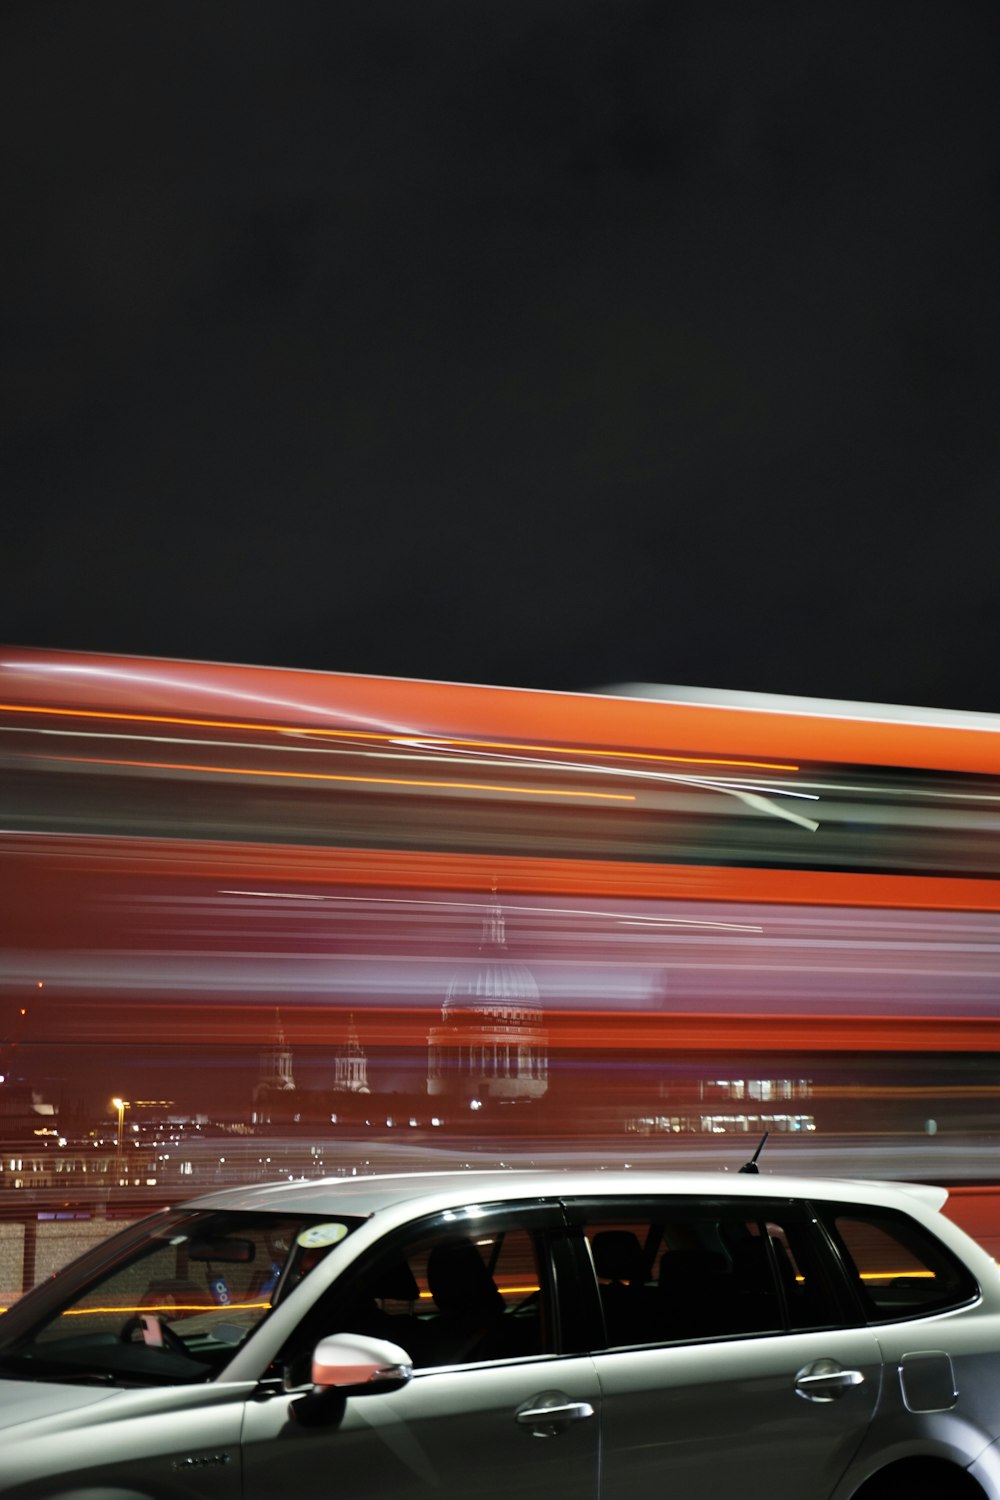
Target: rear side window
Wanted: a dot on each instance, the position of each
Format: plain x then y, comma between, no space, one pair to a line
691,1270
900,1270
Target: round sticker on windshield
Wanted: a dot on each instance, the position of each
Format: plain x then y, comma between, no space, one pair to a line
317,1236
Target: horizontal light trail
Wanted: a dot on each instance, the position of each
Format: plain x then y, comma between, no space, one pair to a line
453,786
782,732
417,741
165,1307
171,1022
622,918
235,862
421,742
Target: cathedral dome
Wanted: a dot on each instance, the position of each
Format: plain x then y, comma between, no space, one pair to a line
494,985
491,1043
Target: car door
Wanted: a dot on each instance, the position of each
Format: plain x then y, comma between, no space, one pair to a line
495,1407
717,1377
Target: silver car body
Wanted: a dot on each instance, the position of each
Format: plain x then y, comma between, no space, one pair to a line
826,1412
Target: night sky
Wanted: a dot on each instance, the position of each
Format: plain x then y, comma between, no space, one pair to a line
544,342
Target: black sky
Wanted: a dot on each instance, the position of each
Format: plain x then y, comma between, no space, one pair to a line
547,342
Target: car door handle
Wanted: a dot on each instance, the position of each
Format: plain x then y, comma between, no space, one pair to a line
550,1413
825,1380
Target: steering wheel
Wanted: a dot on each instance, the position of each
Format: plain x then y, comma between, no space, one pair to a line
171,1341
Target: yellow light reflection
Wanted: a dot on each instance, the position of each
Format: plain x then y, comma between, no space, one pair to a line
164,1307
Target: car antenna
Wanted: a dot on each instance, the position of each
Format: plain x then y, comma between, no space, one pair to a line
751,1165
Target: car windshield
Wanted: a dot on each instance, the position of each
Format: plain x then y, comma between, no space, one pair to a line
166,1305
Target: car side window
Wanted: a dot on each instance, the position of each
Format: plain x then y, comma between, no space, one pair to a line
481,1294
899,1269
693,1270
449,1295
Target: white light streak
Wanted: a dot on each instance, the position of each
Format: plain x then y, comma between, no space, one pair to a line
516,908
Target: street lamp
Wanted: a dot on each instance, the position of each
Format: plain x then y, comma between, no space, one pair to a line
121,1105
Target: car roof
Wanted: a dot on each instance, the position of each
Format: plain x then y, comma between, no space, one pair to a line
430,1192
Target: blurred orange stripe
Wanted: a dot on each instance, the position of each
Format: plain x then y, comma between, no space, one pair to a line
304,865
195,1023
211,690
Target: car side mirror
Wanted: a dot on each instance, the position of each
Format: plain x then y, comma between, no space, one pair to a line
357,1365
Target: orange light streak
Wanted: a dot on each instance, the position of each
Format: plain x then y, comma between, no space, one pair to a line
704,1034
426,1296
452,786
893,1275
506,1291
172,719
165,1307
868,736
431,741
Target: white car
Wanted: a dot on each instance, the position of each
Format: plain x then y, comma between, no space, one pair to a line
566,1335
